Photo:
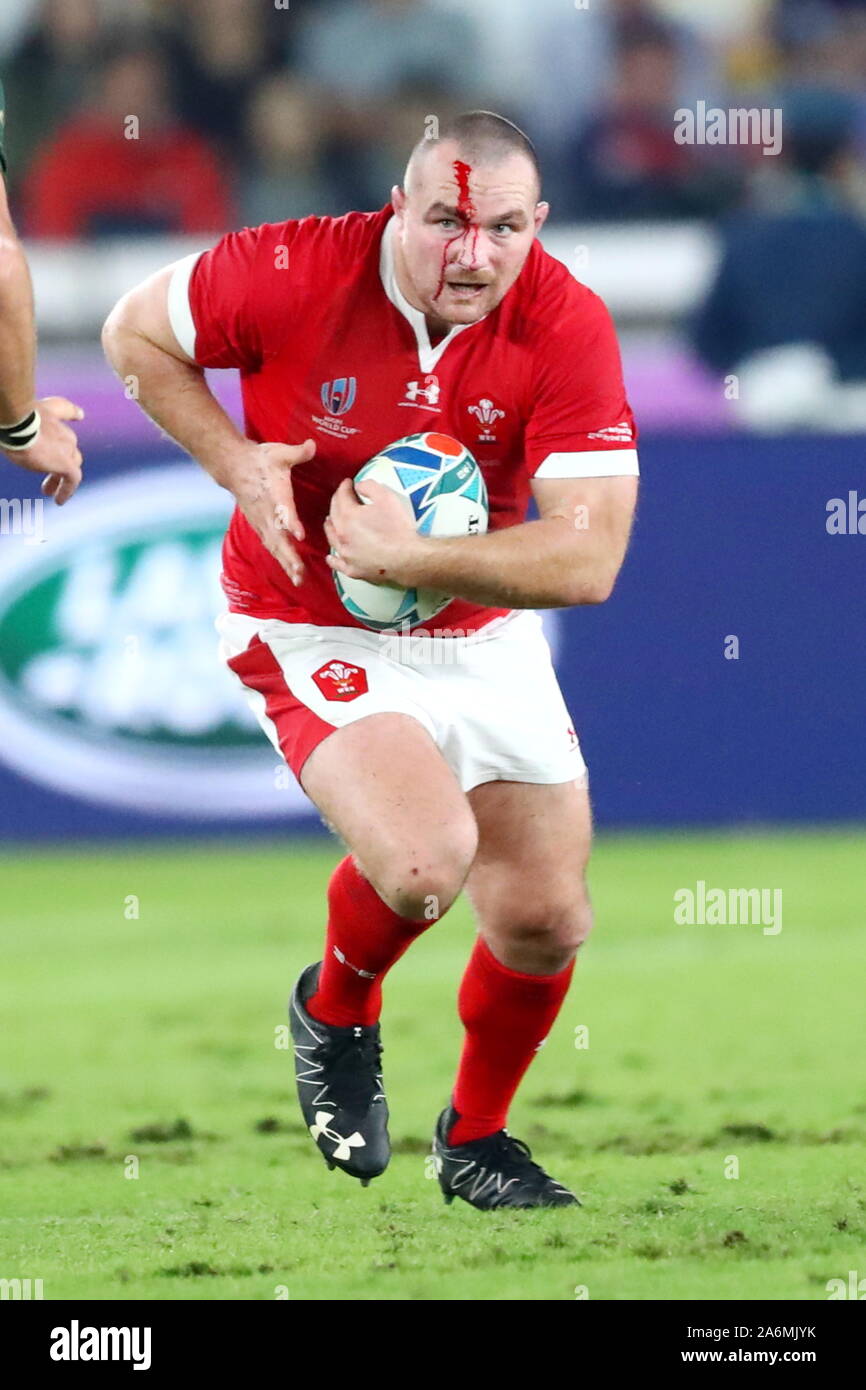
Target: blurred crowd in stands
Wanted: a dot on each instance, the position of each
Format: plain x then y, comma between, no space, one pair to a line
197,115
128,117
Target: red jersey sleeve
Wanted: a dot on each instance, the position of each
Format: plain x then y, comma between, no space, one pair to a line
580,423
232,306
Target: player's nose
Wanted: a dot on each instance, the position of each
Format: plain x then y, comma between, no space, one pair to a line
472,251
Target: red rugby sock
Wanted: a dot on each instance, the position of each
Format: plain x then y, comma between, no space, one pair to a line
364,938
507,1015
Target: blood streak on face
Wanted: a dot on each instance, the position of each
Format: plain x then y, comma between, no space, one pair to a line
465,205
466,213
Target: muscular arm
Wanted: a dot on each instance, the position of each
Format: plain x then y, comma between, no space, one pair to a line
571,555
54,450
141,346
17,333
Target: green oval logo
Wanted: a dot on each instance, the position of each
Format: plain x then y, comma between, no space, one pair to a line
110,684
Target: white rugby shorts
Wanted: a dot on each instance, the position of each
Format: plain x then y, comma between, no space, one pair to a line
490,701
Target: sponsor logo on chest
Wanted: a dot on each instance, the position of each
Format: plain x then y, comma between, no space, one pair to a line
423,393
484,415
337,397
481,416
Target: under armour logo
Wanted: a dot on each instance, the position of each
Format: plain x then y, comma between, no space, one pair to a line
430,392
343,1145
366,974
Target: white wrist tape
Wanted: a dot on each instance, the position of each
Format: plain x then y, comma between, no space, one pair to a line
23,435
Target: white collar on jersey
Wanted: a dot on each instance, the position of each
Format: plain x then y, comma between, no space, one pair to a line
427,356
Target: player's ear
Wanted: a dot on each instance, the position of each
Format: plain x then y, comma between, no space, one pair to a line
398,199
541,211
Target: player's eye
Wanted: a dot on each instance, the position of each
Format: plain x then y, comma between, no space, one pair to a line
503,227
449,220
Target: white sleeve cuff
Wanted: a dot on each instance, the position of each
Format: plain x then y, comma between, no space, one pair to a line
590,463
179,312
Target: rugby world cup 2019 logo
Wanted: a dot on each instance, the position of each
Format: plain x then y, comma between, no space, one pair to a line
338,396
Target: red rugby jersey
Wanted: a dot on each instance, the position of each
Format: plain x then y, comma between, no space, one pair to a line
327,347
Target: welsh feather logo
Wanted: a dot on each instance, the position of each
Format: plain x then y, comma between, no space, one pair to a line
487,412
111,688
337,681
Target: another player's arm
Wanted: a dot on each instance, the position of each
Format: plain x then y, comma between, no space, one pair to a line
571,555
51,445
17,333
141,346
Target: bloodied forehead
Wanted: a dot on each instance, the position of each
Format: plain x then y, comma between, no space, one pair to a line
446,179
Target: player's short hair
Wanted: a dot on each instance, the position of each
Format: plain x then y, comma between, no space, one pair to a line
483,137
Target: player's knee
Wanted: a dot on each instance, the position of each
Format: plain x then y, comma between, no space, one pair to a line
580,922
425,893
421,882
552,931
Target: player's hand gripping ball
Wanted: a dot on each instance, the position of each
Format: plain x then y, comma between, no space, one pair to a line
443,490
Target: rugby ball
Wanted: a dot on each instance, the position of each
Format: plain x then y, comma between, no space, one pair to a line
444,491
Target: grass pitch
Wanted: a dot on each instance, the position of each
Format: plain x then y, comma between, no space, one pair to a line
152,1147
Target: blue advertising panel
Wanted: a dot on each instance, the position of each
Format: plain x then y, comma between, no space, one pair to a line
722,683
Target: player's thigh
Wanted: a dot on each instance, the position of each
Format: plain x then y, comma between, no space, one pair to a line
527,882
386,789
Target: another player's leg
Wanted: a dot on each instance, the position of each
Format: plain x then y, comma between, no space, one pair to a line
529,894
383,786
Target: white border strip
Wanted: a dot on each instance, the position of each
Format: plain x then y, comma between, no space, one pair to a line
590,463
179,313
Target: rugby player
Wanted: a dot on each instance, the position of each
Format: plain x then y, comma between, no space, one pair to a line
440,312
34,434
